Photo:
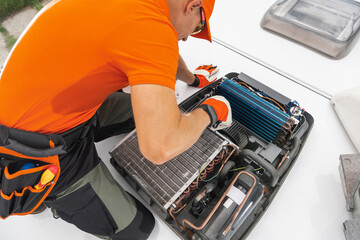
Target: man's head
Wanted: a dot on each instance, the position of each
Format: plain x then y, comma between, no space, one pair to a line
207,7
191,17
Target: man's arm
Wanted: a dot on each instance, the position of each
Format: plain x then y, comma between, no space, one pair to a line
163,132
183,73
201,77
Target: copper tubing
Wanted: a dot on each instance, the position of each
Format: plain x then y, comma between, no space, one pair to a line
210,167
187,222
180,208
183,196
187,192
203,174
220,157
223,163
295,149
282,160
241,205
193,185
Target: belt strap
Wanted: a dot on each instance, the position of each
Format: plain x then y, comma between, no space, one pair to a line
8,136
75,134
34,144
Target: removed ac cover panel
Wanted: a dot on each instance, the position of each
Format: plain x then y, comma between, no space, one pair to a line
327,26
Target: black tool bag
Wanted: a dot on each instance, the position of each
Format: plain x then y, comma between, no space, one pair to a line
24,157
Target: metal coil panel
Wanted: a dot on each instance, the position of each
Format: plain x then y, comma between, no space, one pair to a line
165,182
255,113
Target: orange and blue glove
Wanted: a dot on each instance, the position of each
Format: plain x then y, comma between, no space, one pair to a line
204,75
219,111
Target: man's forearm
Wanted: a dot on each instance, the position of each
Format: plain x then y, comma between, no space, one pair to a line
176,138
183,73
163,132
187,132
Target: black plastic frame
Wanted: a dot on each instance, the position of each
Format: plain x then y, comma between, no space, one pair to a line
190,103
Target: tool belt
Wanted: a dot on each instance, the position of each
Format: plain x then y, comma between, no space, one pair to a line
24,158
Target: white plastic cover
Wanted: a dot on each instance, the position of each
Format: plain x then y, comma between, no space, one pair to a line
347,107
325,25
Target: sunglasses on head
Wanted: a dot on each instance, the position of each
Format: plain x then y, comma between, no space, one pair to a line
201,26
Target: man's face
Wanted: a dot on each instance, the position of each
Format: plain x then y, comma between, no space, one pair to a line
193,21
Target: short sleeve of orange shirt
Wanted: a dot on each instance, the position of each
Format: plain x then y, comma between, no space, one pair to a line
75,53
150,56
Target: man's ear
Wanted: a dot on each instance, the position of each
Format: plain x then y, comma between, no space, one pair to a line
193,5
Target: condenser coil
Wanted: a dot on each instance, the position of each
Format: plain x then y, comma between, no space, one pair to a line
165,182
255,113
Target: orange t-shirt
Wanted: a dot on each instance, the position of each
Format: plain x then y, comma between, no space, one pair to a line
77,52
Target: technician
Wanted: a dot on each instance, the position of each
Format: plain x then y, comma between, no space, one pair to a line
60,90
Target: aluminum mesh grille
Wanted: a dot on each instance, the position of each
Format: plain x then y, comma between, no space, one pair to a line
164,183
252,111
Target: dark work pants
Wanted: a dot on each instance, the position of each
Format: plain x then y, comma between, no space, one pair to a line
86,194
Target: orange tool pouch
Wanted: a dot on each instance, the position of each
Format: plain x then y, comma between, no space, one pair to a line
18,195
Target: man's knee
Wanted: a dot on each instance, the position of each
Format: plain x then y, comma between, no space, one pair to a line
141,227
89,204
